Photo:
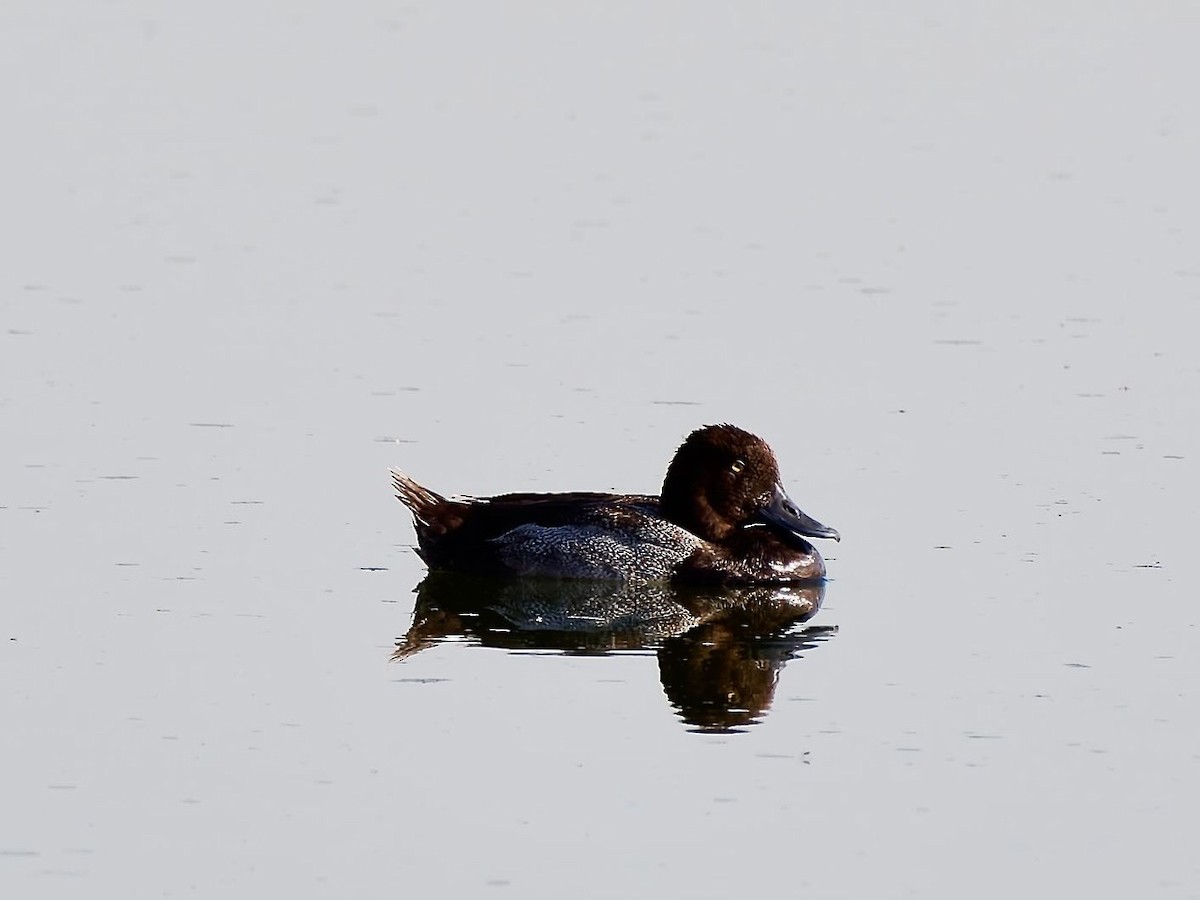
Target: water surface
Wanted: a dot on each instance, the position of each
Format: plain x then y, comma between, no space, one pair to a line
943,260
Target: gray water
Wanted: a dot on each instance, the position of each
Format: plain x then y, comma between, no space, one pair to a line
942,257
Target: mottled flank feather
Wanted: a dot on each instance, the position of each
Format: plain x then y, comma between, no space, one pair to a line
598,547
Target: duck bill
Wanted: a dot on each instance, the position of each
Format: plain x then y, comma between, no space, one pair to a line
783,513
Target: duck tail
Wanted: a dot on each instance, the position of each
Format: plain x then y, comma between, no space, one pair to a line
420,500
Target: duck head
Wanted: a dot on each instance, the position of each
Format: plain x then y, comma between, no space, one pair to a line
723,480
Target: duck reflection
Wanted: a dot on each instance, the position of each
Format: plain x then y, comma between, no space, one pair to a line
720,650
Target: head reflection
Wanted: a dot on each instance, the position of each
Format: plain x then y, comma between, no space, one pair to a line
720,650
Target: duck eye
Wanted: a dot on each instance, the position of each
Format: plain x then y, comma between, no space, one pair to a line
738,465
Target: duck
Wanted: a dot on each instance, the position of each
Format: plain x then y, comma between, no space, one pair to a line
722,517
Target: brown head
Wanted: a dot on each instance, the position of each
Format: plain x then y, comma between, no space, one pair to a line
724,479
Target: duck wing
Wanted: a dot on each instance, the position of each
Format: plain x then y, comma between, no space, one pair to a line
466,533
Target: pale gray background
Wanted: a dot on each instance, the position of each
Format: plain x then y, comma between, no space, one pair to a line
943,256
